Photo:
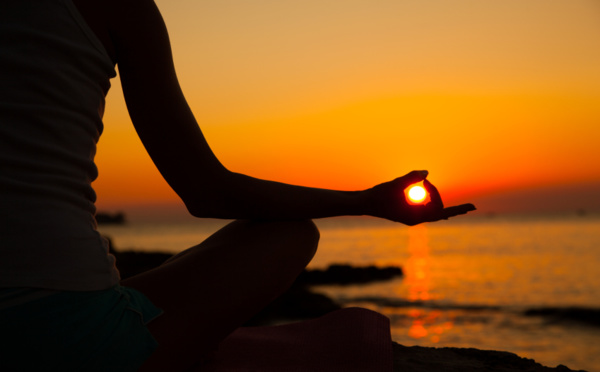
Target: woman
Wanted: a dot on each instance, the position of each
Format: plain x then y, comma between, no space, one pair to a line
61,295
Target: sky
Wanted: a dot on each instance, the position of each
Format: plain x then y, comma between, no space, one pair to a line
498,99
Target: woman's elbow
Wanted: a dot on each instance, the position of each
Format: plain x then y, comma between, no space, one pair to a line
200,207
208,199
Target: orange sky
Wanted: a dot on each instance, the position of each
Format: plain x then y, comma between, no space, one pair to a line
489,96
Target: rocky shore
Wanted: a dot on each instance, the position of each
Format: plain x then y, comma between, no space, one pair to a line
299,302
448,359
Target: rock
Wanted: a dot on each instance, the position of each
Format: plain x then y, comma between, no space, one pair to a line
447,359
346,274
586,316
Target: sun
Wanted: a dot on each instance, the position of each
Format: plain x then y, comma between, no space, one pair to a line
416,194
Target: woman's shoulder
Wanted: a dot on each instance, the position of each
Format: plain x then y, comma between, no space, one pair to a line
111,20
96,15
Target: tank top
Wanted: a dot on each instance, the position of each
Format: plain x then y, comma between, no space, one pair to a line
55,76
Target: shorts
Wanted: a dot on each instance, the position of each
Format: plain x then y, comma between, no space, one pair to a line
78,331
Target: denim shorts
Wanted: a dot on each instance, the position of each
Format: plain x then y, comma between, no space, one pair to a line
78,331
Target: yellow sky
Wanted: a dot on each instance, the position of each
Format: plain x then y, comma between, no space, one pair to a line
487,95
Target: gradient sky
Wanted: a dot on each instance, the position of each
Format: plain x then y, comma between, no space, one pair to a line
490,96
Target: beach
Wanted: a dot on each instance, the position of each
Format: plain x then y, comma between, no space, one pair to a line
522,284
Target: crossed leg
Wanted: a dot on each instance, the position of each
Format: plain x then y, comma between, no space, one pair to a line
211,289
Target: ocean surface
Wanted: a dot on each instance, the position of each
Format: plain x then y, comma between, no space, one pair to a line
470,282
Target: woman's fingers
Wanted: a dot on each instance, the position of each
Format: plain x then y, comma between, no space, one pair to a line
436,199
414,177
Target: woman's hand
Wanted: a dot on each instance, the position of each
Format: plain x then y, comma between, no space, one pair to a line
388,200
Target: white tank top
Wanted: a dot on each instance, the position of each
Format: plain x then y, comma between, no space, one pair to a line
55,76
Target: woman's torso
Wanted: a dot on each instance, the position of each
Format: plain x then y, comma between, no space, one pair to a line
51,105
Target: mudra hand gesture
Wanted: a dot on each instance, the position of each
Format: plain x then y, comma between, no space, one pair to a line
388,200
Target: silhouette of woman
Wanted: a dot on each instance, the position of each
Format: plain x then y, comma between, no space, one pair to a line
60,295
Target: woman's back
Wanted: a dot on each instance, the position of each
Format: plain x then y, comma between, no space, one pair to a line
56,75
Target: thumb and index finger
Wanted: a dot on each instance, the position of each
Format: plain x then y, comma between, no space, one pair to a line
436,202
415,176
421,176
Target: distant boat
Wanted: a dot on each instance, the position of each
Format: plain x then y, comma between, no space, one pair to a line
103,218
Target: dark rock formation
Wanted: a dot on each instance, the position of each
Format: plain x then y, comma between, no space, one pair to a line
419,359
567,314
346,274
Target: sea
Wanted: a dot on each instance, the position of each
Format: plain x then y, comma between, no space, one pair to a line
526,284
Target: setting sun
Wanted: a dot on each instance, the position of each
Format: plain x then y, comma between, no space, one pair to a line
416,194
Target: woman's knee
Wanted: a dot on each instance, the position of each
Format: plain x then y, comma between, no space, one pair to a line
304,240
290,242
305,232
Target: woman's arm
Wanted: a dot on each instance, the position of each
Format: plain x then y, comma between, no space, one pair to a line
172,137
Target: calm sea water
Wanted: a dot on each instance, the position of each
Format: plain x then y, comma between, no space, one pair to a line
467,283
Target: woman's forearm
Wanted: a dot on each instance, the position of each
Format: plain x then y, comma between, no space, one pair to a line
238,196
